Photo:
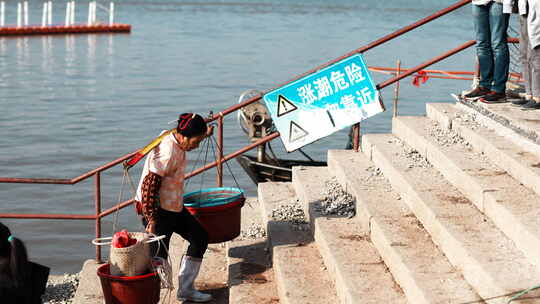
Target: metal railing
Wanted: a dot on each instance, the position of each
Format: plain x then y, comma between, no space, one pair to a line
219,117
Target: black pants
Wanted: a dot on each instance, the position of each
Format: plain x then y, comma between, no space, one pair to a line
184,224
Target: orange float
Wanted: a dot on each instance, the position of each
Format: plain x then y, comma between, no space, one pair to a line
61,29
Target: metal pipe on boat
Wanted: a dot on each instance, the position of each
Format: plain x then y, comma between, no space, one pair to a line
261,152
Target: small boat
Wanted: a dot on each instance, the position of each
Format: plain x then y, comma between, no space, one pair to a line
279,170
256,123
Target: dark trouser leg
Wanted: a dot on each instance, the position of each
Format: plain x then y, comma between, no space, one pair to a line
483,44
499,43
164,226
190,229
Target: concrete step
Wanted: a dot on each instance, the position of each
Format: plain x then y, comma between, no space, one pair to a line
89,290
251,277
527,141
490,261
510,205
358,271
418,266
524,167
299,270
524,123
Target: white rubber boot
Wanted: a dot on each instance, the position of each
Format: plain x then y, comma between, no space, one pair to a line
189,270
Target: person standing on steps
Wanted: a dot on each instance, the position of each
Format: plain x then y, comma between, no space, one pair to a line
159,200
491,25
529,40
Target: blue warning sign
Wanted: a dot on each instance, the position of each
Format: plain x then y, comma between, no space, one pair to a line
323,102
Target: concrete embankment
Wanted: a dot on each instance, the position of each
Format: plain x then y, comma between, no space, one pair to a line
442,210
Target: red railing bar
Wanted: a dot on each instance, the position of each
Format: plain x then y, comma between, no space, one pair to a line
48,216
64,181
426,64
359,50
13,180
211,165
220,152
117,207
389,69
98,211
103,168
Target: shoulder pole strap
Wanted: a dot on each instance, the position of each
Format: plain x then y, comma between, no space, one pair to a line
142,153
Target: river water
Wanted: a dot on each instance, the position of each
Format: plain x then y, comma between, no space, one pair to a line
72,103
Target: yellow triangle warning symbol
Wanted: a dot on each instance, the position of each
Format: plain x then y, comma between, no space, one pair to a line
296,132
285,106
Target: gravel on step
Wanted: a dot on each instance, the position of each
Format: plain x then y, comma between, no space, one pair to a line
254,231
292,213
413,157
337,201
61,289
445,137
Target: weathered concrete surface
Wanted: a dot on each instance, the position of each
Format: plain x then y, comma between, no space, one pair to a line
491,262
416,263
510,205
501,129
89,290
251,277
525,123
351,259
299,270
522,166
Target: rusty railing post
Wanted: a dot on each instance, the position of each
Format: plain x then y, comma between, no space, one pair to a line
220,152
396,90
356,137
98,211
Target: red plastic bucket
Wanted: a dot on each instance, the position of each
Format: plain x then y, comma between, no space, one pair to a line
221,222
143,289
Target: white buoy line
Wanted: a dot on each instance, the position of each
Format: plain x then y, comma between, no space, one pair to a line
47,13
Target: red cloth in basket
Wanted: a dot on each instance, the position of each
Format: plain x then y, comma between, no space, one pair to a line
122,239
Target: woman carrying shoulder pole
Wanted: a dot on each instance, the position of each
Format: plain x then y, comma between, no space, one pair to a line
159,200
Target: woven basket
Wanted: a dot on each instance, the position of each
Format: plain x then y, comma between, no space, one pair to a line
133,260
